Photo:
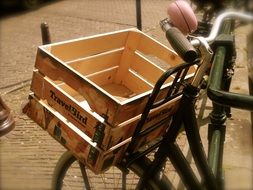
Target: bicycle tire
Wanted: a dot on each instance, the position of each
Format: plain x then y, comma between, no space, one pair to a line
66,161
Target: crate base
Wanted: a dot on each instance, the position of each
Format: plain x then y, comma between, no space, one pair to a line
120,92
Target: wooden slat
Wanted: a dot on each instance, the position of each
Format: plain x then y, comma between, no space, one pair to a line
128,55
103,77
97,63
71,92
147,69
83,47
136,84
150,46
191,71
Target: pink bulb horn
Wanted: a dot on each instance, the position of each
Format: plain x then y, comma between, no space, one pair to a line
182,16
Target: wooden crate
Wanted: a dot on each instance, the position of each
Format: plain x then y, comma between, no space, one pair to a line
113,72
99,86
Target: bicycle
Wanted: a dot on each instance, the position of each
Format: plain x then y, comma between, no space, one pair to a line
151,172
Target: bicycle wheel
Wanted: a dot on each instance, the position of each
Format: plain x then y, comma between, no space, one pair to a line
68,175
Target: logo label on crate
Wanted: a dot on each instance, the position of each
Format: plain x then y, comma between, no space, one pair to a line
72,110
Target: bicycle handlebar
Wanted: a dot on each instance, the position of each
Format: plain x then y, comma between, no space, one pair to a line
218,22
185,49
214,90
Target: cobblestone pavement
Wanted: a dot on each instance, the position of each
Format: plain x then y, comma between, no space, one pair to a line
29,154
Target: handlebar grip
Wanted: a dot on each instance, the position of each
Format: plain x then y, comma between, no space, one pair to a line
181,45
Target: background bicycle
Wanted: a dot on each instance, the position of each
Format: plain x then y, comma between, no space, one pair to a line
41,161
